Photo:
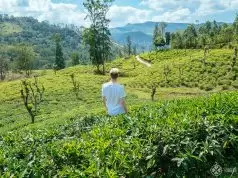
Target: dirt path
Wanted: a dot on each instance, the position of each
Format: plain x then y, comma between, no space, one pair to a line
143,61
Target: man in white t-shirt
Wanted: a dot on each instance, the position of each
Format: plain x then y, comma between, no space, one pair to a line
113,95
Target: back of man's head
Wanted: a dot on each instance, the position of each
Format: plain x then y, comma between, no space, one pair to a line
114,72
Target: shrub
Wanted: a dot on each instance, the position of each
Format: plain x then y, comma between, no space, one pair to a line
228,67
75,84
214,70
221,72
208,87
235,69
209,69
225,87
162,84
224,82
180,138
175,83
235,84
189,84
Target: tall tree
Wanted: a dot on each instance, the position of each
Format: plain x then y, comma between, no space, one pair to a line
159,42
158,38
176,40
226,34
3,67
134,50
155,34
59,56
97,36
167,38
235,26
75,59
162,27
215,28
24,59
129,45
190,36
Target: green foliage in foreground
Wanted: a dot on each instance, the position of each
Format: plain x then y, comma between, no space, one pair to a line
176,138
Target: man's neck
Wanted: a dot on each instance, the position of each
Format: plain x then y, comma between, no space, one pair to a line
113,80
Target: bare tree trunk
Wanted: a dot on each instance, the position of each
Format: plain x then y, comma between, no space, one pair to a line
103,68
153,91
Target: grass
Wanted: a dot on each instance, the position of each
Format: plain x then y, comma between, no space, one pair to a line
60,101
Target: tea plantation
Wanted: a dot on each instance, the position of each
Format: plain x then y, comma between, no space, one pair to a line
192,125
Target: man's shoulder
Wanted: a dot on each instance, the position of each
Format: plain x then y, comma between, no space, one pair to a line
106,84
110,83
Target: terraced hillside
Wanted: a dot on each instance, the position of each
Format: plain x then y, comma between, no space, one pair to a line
188,69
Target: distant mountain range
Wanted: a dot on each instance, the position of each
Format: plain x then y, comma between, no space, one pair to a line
141,33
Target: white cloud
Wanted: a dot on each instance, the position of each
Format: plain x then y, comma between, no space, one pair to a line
69,13
39,6
7,5
167,5
155,10
127,14
44,10
208,7
162,5
179,15
188,10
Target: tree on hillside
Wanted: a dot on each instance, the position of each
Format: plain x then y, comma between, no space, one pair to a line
155,34
234,57
215,28
190,36
226,35
159,42
75,59
3,67
162,27
97,36
134,50
177,40
235,26
24,59
158,38
59,56
208,34
167,38
32,96
129,45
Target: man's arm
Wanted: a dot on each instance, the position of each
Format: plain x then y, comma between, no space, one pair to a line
104,102
104,98
122,99
123,104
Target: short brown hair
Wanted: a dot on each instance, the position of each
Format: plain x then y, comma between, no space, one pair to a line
114,72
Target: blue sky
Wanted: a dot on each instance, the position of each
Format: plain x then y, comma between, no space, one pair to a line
125,11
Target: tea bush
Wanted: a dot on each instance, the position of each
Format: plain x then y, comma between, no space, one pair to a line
235,84
218,67
179,138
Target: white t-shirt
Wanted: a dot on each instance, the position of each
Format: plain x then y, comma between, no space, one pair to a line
113,92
